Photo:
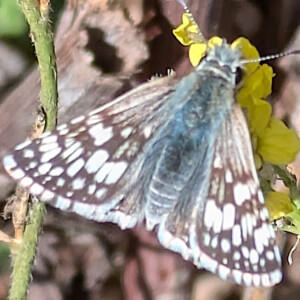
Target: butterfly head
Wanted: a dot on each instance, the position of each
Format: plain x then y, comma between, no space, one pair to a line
224,60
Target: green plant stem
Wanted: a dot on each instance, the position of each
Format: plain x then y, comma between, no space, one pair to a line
42,37
23,261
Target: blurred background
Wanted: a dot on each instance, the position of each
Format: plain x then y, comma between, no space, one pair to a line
104,48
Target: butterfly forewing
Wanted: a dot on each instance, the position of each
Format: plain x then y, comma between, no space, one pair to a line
89,164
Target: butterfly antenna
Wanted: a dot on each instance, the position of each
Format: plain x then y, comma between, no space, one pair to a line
198,35
269,57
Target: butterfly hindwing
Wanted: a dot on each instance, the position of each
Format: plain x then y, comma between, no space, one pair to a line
232,234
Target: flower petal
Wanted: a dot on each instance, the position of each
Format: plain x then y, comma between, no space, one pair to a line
248,51
278,204
259,113
184,32
278,144
196,53
214,41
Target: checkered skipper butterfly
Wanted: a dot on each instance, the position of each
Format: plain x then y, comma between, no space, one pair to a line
173,153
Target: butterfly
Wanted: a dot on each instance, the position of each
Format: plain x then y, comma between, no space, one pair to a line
173,153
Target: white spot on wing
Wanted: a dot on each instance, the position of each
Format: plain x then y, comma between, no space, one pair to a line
206,239
23,145
92,189
225,245
270,255
237,276
77,120
44,168
96,160
147,132
63,131
32,164
245,252
47,195
71,149
217,162
275,276
60,182
103,172
26,181
223,272
17,174
50,155
75,167
228,176
262,262
265,280
47,147
49,139
210,208
277,253
247,277
236,255
116,172
69,194
229,216
254,256
57,171
208,263
83,209
213,216
249,224
236,235
126,132
256,280
68,142
9,162
28,153
264,214
36,189
101,193
75,155
261,197
93,120
62,203
78,183
133,149
100,134
62,126
214,242
241,193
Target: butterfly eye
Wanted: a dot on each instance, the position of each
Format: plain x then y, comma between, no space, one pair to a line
239,75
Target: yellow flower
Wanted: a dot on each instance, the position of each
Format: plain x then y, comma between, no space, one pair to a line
272,141
188,35
278,204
